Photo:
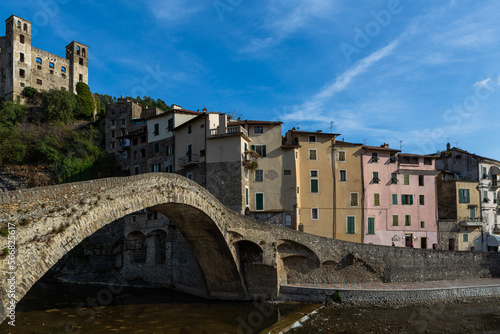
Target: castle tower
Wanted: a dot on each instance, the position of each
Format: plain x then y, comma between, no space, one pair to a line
15,58
78,56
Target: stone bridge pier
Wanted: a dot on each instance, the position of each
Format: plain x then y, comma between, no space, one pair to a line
239,258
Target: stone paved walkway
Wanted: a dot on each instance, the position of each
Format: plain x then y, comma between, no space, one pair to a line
430,285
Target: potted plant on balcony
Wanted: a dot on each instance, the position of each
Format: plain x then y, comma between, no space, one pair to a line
252,153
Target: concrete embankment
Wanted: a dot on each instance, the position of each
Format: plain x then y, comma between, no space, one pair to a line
392,293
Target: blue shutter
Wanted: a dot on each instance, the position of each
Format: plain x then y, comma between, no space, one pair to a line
252,147
263,150
403,199
411,199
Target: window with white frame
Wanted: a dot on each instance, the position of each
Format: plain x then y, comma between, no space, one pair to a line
313,154
314,181
342,175
342,156
259,175
260,149
314,213
245,173
312,139
354,199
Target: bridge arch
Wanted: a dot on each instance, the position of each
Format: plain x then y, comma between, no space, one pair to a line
56,219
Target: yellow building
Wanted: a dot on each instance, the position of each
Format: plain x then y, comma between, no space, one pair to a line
348,185
314,180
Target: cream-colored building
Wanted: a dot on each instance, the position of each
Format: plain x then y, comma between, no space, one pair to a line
314,180
268,180
348,186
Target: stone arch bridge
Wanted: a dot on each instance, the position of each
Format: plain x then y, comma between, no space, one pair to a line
240,258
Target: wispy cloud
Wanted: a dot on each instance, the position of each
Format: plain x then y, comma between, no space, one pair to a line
282,19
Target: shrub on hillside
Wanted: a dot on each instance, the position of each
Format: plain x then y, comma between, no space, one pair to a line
59,105
86,105
12,113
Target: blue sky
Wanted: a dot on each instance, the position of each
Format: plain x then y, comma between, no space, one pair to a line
382,71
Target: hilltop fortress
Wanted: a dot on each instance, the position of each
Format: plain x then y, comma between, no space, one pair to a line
22,65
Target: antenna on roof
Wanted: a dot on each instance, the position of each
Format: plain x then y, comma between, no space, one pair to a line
364,141
401,145
331,127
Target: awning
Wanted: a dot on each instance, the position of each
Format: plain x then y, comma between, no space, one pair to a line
495,170
493,240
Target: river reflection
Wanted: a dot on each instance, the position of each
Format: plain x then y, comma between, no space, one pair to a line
62,308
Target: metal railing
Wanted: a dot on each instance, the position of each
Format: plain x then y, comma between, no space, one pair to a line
189,159
235,129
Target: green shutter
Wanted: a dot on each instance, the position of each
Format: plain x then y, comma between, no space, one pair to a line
394,199
263,150
314,185
252,147
259,201
411,199
467,192
395,220
351,224
371,225
246,196
460,195
403,199
377,199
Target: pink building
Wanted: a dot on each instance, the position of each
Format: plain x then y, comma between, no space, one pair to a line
400,204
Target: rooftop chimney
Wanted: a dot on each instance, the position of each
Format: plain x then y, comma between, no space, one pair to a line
384,145
204,110
176,107
319,131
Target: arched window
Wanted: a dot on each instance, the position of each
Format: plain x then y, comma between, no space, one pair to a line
39,60
19,24
77,50
83,52
63,69
21,39
51,65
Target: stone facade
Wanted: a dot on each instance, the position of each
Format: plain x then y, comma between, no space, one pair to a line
22,65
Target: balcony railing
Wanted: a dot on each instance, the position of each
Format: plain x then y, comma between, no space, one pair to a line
468,221
189,159
235,129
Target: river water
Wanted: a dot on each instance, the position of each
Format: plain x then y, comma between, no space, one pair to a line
66,308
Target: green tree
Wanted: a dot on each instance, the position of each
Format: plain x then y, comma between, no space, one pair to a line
59,105
12,146
86,105
12,113
29,91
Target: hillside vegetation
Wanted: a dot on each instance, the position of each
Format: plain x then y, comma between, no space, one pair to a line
57,130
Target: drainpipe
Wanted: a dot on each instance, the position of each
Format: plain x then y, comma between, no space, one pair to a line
334,200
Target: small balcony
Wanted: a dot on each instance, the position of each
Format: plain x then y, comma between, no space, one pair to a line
189,159
230,130
468,221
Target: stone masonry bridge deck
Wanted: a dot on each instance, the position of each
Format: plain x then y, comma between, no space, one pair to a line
240,258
